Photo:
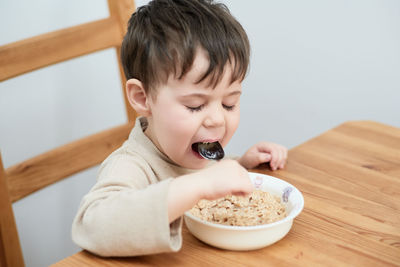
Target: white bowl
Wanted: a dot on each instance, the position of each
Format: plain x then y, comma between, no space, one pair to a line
251,237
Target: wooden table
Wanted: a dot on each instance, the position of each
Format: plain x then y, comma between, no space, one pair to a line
350,179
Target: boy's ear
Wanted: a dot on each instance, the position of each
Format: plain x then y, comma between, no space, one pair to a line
137,97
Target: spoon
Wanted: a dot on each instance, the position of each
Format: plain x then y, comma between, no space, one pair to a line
212,150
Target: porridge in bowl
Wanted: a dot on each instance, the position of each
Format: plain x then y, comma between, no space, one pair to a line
256,209
210,221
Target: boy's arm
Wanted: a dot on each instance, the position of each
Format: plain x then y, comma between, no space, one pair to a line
125,214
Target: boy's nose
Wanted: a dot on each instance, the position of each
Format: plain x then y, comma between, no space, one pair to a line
215,118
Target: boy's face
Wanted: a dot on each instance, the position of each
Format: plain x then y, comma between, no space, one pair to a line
183,113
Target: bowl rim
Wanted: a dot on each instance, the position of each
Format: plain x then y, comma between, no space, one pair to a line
288,218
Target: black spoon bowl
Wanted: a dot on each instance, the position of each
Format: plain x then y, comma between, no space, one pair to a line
213,151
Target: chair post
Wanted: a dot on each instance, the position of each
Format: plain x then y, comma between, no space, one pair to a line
122,10
10,248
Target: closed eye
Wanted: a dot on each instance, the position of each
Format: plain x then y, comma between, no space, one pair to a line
194,109
228,108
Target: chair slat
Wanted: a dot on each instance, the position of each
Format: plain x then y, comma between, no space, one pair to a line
50,167
33,53
50,48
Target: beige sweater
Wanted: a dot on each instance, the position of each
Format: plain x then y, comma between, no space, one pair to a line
125,213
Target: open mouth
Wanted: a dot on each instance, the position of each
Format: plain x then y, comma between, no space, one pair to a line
195,147
209,150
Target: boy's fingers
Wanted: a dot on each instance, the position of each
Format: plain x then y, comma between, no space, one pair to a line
284,158
280,158
264,147
274,160
264,157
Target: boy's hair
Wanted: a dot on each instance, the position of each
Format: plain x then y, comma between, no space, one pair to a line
164,36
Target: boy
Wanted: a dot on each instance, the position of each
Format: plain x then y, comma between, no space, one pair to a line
184,61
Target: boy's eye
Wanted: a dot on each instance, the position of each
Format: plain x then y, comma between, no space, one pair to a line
198,108
193,109
228,107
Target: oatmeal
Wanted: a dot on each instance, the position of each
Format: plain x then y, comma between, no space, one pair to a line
258,208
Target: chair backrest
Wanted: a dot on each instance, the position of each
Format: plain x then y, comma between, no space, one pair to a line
31,175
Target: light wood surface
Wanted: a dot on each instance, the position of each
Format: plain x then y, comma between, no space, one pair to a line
350,179
31,175
46,49
45,169
43,50
10,248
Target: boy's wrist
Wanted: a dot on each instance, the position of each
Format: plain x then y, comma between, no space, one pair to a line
198,182
184,193
241,162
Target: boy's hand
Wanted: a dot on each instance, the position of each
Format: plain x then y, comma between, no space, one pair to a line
264,152
226,177
223,178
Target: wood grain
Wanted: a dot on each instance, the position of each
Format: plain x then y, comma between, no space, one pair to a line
37,52
10,248
350,180
122,11
52,166
50,48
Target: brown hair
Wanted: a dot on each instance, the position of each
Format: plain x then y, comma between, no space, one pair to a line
164,35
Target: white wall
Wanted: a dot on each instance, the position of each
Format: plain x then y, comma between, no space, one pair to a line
315,64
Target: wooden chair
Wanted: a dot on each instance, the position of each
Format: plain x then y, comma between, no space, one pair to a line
31,175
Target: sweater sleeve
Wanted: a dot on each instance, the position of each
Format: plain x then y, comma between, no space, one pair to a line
126,214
